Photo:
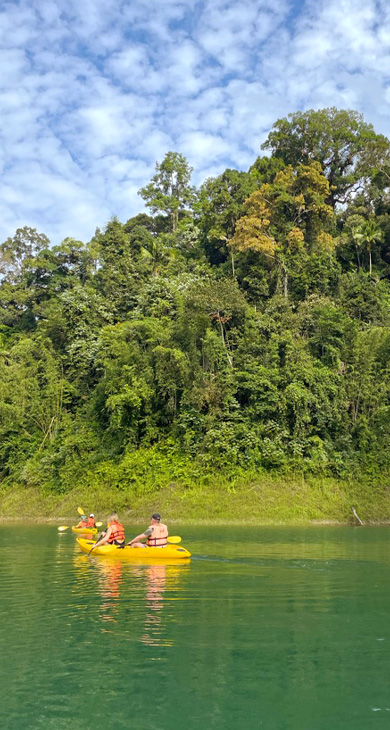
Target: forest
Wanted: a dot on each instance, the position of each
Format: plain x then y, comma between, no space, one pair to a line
234,331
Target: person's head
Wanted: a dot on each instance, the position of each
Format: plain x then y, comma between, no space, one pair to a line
92,515
156,517
113,518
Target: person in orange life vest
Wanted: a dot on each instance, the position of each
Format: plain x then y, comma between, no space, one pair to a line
156,535
83,522
115,533
91,520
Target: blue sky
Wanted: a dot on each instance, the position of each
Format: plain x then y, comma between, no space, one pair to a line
94,92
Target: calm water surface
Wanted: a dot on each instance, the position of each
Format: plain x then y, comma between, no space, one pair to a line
274,628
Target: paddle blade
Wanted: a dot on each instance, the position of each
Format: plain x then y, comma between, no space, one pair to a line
98,524
62,528
174,538
80,511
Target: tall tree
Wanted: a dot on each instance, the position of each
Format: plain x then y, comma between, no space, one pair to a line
119,268
18,260
220,204
347,147
370,233
286,217
170,191
16,252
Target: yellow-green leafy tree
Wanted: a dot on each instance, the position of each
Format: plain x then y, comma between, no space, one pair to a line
287,218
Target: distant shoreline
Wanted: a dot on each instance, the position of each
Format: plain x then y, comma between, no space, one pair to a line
56,521
267,500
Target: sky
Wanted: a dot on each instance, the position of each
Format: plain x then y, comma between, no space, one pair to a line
94,92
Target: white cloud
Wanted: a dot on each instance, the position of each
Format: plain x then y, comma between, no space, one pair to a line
93,93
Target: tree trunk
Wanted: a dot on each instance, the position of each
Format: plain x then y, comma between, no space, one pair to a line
229,357
285,284
358,258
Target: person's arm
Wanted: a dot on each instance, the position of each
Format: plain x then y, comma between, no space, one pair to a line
137,539
103,540
144,535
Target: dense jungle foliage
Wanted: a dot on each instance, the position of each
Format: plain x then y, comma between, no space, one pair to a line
244,324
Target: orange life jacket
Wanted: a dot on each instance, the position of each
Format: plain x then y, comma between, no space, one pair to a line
159,536
91,522
117,532
83,523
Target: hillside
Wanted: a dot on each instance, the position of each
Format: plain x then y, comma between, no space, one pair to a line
236,337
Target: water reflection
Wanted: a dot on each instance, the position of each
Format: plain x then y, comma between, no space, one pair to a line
135,599
155,584
110,582
156,577
82,566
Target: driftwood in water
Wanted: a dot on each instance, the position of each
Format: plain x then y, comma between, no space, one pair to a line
357,516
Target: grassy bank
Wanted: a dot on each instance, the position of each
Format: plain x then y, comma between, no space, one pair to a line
248,498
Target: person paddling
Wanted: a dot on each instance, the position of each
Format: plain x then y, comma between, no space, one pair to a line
83,522
91,520
114,535
156,535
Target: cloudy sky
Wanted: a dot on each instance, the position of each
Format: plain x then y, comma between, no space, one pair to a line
94,92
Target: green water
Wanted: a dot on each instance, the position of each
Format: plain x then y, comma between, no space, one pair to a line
272,628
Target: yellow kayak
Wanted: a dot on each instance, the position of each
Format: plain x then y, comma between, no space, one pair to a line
84,530
170,552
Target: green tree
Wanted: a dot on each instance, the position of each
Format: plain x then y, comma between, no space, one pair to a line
363,231
120,265
32,395
17,252
169,190
220,204
285,218
17,263
369,233
218,303
347,147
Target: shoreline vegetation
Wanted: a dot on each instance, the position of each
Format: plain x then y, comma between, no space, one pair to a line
250,500
221,358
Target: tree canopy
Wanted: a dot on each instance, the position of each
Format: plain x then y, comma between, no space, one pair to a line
346,146
243,323
169,190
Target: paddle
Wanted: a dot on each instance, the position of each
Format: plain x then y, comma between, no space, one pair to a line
62,528
82,512
94,545
173,539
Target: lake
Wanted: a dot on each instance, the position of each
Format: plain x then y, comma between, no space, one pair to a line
272,628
